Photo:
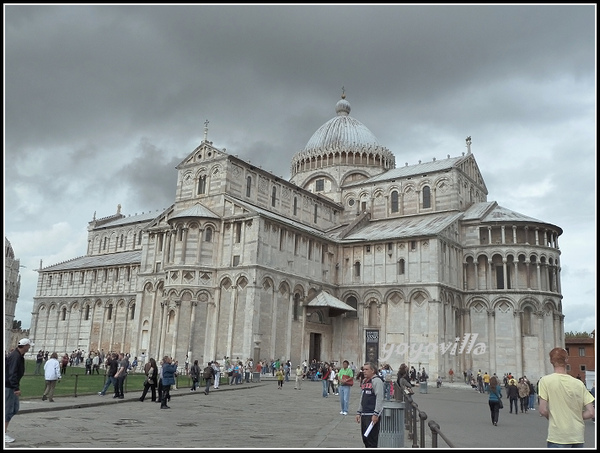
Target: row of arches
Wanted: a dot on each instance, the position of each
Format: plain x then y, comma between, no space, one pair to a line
511,270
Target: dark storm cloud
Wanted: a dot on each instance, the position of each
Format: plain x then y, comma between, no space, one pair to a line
103,101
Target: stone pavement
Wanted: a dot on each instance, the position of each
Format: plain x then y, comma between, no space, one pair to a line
258,415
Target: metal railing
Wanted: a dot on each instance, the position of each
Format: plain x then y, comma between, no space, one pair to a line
414,422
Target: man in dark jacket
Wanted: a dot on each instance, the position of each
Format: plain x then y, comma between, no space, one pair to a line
513,395
15,369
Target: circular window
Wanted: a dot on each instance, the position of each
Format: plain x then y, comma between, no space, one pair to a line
351,202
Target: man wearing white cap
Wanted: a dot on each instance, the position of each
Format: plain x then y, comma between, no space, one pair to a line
15,369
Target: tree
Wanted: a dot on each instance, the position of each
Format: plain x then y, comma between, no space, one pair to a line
577,335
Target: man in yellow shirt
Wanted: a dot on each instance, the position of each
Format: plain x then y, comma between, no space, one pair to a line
566,403
486,381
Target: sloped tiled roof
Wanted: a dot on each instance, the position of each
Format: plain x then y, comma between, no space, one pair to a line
196,211
144,217
324,299
405,227
280,218
112,259
413,170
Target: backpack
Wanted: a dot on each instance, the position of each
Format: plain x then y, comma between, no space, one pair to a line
88,361
207,373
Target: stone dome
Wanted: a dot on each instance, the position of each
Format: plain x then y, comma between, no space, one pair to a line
342,132
343,140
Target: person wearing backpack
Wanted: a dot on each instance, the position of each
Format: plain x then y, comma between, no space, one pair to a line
208,374
195,375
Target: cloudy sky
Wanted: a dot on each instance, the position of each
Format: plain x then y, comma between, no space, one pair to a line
102,102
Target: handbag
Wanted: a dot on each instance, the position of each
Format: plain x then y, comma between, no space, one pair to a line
349,382
500,405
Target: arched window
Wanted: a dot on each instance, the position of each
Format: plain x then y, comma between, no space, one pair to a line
296,306
357,269
273,196
354,304
373,314
132,311
208,234
64,314
248,185
527,321
295,205
426,197
395,201
202,185
401,266
87,313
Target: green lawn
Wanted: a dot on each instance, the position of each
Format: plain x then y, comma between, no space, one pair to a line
76,382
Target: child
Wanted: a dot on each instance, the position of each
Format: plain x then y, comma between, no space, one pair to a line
279,374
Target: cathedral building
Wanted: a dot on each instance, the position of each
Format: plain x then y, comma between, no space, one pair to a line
351,259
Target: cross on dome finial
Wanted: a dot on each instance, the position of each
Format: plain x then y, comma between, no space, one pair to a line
343,92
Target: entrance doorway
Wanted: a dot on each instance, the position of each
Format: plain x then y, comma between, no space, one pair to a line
314,349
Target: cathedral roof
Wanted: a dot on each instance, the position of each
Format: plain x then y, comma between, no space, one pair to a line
196,211
342,133
136,218
405,227
111,259
418,169
324,299
490,212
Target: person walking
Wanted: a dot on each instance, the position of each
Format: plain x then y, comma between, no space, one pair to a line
495,395
279,374
208,375
512,392
325,370
346,381
120,375
451,375
151,372
112,364
331,384
486,381
566,403
370,406
531,395
96,364
52,376
159,386
299,376
523,388
195,375
13,372
169,369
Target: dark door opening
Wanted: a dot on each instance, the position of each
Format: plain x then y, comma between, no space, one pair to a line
314,350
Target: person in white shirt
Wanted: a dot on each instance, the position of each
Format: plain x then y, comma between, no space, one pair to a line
52,376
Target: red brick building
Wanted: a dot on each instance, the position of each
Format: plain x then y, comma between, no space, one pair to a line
582,355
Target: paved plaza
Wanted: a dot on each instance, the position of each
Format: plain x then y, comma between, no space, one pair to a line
258,415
